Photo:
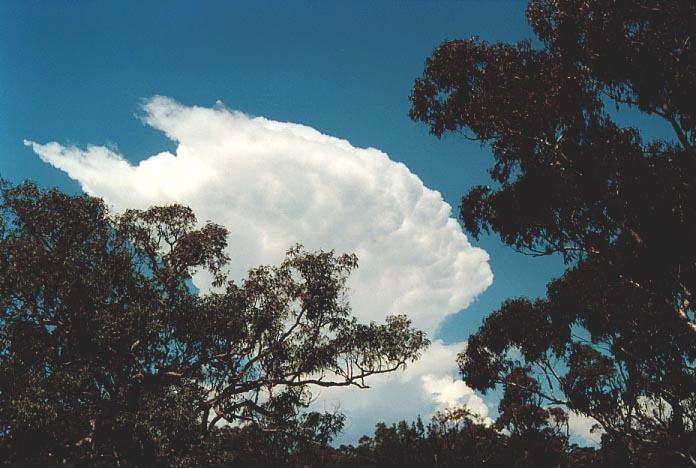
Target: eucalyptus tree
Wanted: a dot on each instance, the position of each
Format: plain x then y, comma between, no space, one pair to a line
615,337
108,355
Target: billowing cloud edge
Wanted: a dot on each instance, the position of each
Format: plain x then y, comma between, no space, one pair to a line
274,184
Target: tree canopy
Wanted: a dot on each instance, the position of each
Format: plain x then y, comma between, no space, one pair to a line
615,337
108,356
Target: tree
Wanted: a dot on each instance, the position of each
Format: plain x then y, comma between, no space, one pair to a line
615,337
108,356
455,438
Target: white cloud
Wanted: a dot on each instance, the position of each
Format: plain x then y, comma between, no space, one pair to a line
450,392
582,426
273,184
428,385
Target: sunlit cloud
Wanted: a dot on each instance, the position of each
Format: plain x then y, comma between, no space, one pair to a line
274,184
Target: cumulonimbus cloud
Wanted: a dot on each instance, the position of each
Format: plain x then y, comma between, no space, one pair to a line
274,184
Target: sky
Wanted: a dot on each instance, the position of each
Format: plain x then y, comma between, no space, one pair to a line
287,122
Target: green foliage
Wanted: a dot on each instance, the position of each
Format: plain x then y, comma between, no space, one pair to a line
615,338
107,356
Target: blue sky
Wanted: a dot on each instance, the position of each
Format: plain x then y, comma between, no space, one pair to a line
76,72
79,72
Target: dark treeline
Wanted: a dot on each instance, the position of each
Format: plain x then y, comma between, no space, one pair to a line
452,439
108,358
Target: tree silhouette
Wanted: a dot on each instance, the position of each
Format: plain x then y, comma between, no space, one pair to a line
108,357
615,337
